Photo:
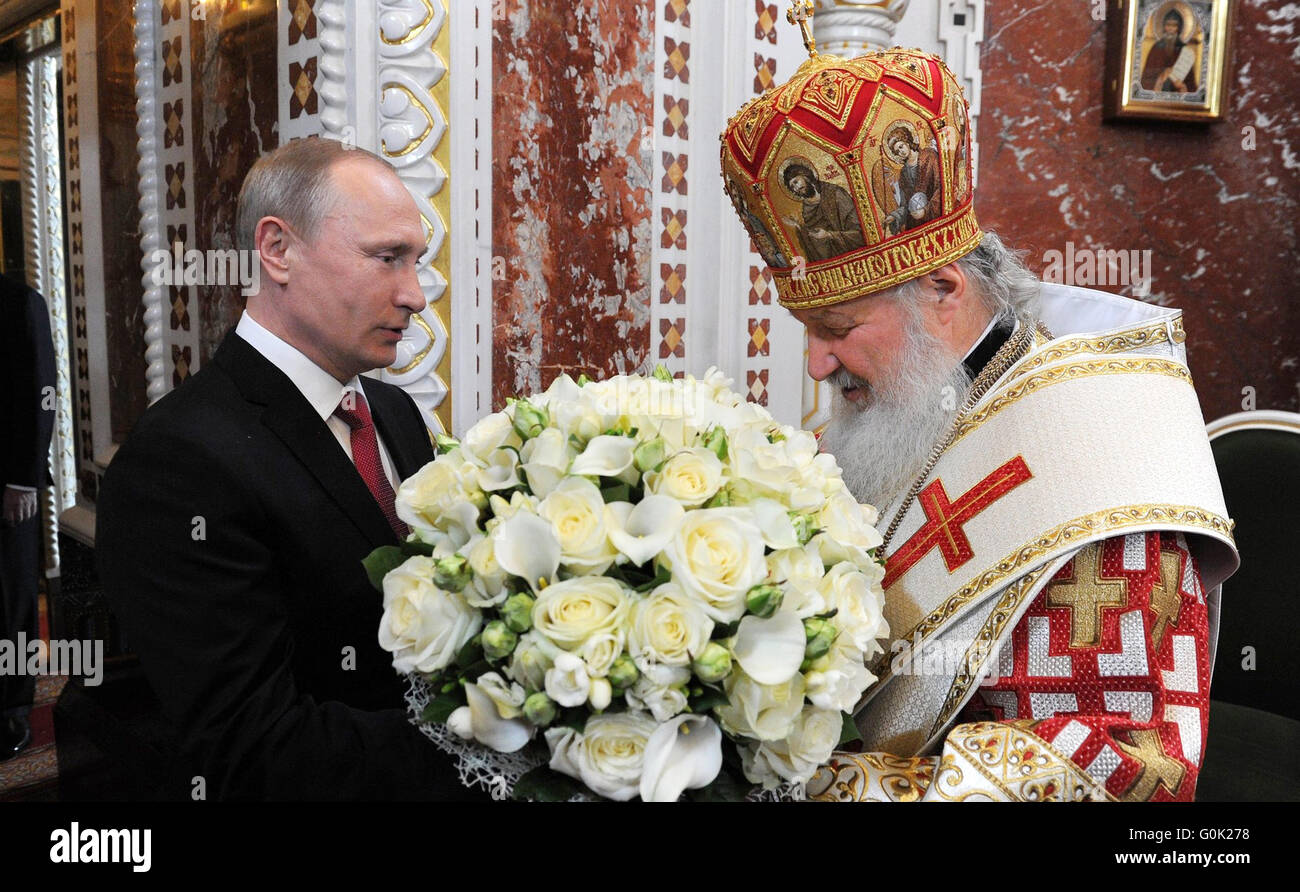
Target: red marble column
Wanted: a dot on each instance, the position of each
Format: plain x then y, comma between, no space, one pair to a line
572,110
1219,219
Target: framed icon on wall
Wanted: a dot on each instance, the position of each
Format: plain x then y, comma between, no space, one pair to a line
1168,59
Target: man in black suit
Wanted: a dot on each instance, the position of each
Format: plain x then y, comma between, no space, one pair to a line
27,415
233,521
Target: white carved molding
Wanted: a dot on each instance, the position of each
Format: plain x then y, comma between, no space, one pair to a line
850,28
42,207
381,87
148,182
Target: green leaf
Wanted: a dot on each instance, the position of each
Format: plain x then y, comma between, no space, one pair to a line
708,699
574,717
619,492
542,784
724,630
380,561
849,733
663,575
441,707
470,654
724,788
414,546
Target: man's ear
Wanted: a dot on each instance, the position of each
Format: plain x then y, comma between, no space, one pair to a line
273,240
952,293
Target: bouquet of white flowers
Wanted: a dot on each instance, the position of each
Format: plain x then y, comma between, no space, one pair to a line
651,575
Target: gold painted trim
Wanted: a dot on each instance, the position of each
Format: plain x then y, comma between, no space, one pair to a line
1008,606
414,30
1120,342
419,357
415,141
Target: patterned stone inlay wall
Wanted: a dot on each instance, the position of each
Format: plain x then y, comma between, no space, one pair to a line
1215,205
573,189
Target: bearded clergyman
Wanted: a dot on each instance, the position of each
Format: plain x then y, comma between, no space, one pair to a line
1054,532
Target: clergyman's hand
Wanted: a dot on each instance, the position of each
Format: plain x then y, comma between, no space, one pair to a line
19,505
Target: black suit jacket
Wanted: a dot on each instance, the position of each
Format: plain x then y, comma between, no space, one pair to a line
27,363
231,529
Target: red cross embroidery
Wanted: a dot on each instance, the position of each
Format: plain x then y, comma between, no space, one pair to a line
945,519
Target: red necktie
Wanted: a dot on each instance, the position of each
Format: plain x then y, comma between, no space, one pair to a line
365,455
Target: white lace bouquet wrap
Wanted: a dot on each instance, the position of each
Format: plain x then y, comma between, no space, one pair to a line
644,584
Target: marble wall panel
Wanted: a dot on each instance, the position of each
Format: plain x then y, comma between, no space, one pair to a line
1216,211
572,117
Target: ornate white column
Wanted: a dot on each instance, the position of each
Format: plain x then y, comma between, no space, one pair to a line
850,28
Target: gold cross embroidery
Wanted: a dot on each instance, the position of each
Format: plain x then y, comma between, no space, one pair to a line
1166,600
1087,593
1157,767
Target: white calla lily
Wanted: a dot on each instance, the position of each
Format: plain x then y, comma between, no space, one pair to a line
525,546
770,650
490,729
641,531
502,471
684,753
605,456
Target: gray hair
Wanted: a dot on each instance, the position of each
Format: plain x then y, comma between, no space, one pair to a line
1000,277
292,183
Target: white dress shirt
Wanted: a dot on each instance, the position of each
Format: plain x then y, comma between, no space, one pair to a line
321,389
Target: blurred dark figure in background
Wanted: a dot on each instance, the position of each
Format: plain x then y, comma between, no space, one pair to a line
27,419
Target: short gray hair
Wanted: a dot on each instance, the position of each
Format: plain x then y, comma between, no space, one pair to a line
292,183
1000,277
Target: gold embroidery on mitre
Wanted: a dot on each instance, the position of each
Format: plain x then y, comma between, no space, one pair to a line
1086,592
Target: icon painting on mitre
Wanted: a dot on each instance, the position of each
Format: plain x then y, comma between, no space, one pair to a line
854,175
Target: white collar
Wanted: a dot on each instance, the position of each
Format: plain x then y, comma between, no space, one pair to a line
321,389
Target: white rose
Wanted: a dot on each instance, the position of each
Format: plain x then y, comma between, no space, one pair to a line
486,587
442,497
691,477
838,680
717,556
859,603
659,690
799,571
546,459
577,514
570,612
844,519
567,682
608,756
423,626
533,656
766,466
809,745
763,712
487,435
600,651
668,627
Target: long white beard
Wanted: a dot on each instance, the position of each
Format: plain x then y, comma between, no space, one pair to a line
882,442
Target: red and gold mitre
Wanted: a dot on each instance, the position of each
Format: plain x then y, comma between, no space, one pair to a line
854,175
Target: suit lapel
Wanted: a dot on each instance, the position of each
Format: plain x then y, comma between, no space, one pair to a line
291,418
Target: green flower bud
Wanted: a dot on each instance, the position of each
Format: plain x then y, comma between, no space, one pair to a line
820,634
776,437
623,672
713,664
661,373
452,572
530,420
805,526
540,709
763,599
445,443
583,380
517,612
498,641
715,439
649,456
